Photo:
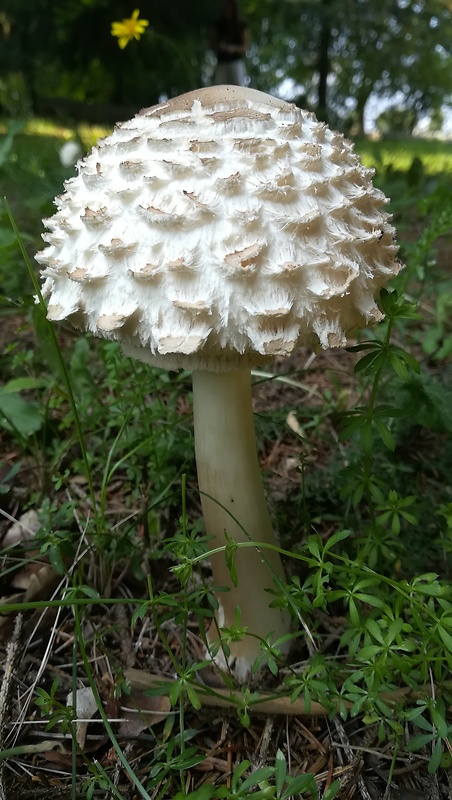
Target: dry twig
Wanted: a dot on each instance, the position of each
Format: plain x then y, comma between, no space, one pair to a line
12,649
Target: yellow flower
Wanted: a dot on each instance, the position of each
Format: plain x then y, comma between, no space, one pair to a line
129,29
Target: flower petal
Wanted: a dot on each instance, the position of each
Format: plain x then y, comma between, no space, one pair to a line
128,29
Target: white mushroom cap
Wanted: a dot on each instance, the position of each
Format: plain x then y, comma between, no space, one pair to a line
217,230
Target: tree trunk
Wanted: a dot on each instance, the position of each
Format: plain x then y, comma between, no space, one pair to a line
361,100
323,61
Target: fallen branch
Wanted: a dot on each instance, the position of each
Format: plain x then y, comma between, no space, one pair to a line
262,702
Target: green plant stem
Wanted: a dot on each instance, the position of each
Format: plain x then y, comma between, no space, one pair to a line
61,364
185,621
73,723
407,592
127,768
368,458
393,763
160,632
376,381
179,55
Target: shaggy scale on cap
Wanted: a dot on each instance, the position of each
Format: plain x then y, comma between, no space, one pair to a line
217,230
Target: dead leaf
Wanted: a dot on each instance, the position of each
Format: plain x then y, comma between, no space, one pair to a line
142,711
85,708
294,425
41,584
23,530
61,759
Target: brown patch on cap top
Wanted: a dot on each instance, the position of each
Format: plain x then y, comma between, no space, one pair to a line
211,97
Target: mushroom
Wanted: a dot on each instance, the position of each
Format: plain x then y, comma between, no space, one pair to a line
211,233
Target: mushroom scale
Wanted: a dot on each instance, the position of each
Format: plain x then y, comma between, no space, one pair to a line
217,230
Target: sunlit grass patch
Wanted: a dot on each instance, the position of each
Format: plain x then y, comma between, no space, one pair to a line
383,154
88,134
37,126
398,154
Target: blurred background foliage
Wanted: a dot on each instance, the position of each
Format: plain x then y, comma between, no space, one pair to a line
332,56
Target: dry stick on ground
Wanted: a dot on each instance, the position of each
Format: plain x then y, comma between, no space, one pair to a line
264,744
224,698
355,759
270,703
12,649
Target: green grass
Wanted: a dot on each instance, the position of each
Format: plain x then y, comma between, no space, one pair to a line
98,446
398,154
35,126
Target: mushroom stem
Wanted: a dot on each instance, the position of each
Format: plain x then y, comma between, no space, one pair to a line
228,472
